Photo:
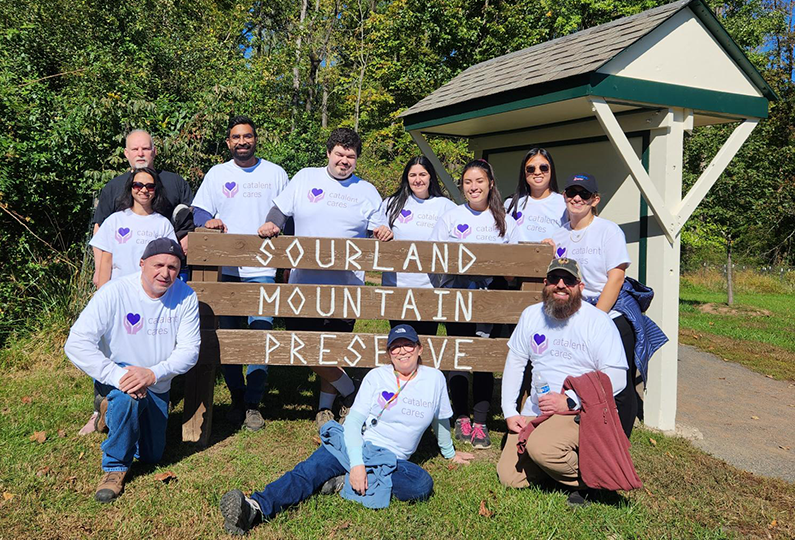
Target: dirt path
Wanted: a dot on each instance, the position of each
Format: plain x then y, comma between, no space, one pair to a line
737,415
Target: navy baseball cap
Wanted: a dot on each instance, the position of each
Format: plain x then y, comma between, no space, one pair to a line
402,331
159,246
585,181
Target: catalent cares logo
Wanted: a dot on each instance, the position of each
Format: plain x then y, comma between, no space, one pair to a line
133,323
123,234
405,216
230,189
384,399
539,343
315,194
462,231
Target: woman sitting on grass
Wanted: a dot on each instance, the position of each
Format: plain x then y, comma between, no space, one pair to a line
379,436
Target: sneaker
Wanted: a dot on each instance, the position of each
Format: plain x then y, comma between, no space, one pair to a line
323,416
110,487
463,429
333,485
254,420
100,426
480,436
578,499
89,427
239,512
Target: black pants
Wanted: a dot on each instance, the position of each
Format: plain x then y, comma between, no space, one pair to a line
482,383
627,399
296,324
423,328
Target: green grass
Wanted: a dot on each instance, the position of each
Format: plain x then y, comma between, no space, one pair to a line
50,486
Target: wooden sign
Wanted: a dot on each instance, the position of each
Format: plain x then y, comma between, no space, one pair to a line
351,302
357,254
285,348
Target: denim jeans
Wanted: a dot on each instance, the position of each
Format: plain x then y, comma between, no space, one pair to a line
136,428
253,387
410,482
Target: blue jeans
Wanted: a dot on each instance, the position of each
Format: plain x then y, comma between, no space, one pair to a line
252,388
136,428
410,482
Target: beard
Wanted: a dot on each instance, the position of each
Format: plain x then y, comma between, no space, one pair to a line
242,153
561,309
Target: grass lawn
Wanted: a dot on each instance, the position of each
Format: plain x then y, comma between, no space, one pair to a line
47,488
757,332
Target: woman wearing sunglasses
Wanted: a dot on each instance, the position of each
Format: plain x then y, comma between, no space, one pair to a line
536,205
600,248
123,237
394,406
481,220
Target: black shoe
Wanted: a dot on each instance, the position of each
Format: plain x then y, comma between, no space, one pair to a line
578,498
333,485
239,514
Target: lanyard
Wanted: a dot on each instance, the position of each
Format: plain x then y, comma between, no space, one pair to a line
375,420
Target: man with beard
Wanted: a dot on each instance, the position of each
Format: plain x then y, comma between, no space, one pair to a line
235,197
560,337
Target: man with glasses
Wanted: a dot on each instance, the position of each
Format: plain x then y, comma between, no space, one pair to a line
560,337
235,197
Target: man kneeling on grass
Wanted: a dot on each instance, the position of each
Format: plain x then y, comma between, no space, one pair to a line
133,337
569,428
393,408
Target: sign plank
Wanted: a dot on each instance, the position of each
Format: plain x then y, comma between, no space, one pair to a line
344,302
284,348
369,255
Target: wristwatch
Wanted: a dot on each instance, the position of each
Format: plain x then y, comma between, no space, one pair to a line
571,403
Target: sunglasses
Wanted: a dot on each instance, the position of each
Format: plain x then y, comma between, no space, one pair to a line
409,347
531,169
572,192
568,279
140,185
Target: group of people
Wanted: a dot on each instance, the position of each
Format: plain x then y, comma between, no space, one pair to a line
141,327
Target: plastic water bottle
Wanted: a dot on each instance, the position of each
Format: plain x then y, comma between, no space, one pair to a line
540,384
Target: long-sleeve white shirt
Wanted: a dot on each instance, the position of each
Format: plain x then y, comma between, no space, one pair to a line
122,326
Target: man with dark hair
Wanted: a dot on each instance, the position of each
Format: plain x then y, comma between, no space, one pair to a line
562,336
235,197
329,202
136,334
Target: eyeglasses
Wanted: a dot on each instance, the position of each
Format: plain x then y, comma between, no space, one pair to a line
568,279
531,169
572,192
246,136
408,347
138,186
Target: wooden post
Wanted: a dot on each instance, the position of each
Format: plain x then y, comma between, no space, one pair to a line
197,417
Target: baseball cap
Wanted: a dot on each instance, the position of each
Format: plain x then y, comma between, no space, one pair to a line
567,265
158,246
402,331
585,181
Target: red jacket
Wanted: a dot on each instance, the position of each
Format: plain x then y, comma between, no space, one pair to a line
604,458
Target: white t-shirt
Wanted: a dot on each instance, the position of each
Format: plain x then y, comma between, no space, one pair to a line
414,222
123,326
598,248
126,234
405,420
587,341
537,219
462,224
241,198
325,207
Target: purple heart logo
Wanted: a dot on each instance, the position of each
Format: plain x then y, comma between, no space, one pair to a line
315,194
539,344
462,231
519,217
383,400
561,252
123,234
405,216
133,323
230,189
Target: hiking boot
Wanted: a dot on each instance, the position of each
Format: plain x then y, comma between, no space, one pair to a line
333,485
254,420
110,487
323,416
100,426
240,513
480,436
578,498
463,429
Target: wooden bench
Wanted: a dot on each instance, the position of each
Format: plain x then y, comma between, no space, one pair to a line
209,251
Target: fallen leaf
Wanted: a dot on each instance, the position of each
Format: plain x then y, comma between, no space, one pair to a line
725,359
7,496
485,512
649,493
316,440
62,433
27,400
669,454
451,466
72,479
81,455
44,471
769,376
721,378
652,441
165,477
39,436
783,447
754,417
773,524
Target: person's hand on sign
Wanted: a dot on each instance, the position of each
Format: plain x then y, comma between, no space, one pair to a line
383,233
549,242
268,230
215,224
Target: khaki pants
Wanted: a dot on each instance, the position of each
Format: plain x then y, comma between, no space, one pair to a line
551,450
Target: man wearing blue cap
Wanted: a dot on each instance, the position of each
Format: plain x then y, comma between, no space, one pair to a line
136,334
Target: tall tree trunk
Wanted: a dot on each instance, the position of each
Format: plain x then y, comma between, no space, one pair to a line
324,107
296,67
359,97
729,273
